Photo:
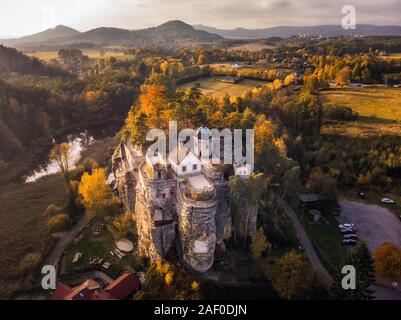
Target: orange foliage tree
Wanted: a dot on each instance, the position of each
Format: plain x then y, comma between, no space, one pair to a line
387,260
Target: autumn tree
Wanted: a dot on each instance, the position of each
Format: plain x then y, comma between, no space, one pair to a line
61,154
202,59
259,244
343,77
387,261
325,186
292,276
153,103
137,127
290,79
96,194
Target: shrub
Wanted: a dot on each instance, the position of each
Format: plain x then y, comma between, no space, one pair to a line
30,261
59,222
122,227
53,210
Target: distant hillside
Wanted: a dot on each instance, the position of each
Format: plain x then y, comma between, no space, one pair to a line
170,32
288,31
45,36
11,60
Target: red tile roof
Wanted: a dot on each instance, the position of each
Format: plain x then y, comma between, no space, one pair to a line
62,290
119,289
125,285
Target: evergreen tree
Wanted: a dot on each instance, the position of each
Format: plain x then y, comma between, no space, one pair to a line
361,258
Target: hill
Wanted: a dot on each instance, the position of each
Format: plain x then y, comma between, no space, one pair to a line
12,60
171,32
45,36
289,31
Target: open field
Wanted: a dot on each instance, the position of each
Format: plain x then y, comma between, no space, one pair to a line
392,56
380,103
361,129
23,224
217,88
253,47
92,54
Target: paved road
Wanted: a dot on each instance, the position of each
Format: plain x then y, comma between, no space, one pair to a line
384,293
322,273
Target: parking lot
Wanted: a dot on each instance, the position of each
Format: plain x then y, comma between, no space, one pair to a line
375,225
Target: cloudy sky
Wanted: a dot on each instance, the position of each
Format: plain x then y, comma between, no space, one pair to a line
22,17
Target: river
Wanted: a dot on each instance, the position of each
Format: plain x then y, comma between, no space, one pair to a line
79,139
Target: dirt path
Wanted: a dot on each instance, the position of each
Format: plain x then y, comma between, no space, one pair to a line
64,239
322,273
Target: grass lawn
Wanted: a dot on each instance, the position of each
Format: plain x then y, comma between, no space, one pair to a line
381,103
100,247
217,88
326,239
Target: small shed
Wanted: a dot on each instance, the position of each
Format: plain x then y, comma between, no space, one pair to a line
309,201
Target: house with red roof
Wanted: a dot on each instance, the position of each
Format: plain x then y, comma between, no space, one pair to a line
119,289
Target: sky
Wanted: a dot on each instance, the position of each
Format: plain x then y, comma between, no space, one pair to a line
23,17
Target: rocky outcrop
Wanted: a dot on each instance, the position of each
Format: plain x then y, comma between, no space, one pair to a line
197,229
169,211
154,214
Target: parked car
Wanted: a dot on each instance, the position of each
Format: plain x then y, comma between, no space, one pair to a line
347,231
346,226
362,194
350,242
352,236
387,201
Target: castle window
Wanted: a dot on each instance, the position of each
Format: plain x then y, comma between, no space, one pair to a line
195,167
184,169
163,195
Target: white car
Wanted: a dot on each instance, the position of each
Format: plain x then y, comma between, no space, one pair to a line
349,242
352,236
346,226
387,201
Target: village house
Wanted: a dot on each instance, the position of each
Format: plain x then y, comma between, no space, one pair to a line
119,289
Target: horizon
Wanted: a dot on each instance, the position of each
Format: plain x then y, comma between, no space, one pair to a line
135,15
10,37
